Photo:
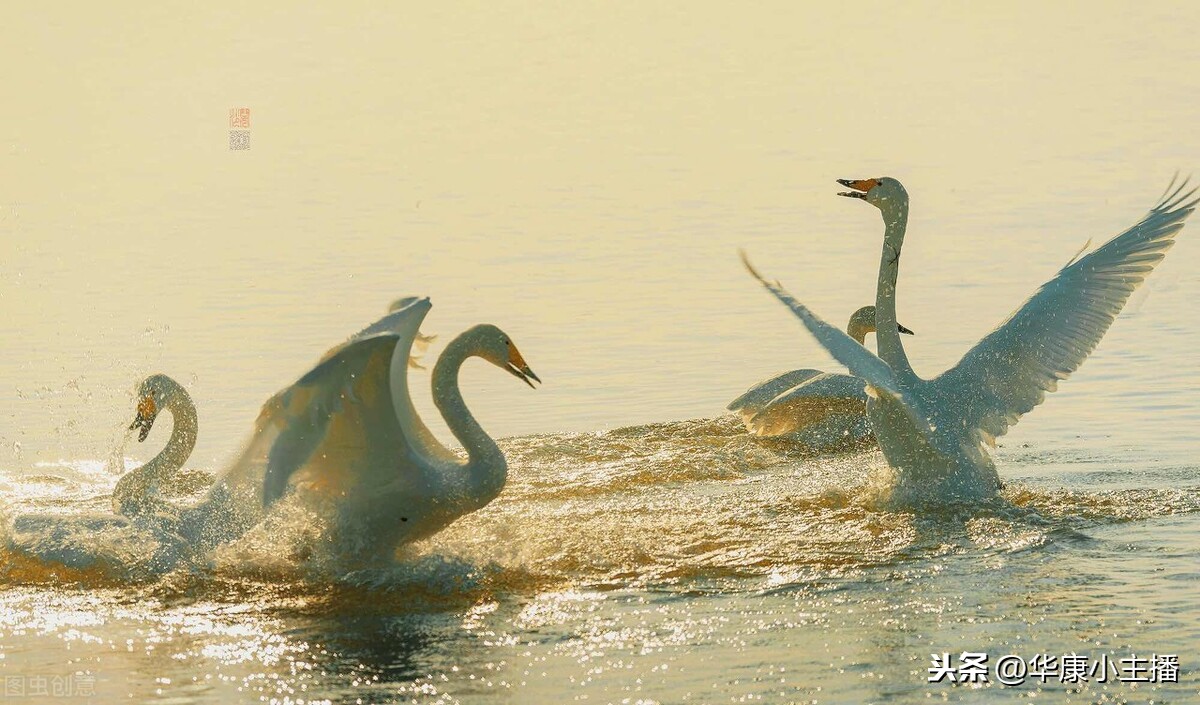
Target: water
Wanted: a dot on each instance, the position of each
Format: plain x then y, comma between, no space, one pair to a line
583,178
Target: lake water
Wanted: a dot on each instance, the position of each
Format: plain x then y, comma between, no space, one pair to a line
583,178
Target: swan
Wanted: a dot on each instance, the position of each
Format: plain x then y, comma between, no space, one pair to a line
136,493
144,531
935,433
350,432
819,409
147,531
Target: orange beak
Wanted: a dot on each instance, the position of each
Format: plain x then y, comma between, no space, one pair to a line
147,410
519,368
860,186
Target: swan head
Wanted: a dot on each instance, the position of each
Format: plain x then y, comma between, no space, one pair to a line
495,346
155,392
862,322
884,192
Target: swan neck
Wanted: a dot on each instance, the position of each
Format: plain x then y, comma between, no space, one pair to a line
887,333
858,332
137,488
184,432
485,462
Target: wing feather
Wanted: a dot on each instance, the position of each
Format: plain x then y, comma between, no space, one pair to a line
846,350
344,405
354,407
1010,371
860,361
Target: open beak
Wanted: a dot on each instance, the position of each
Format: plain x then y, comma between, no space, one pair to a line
904,330
146,413
524,374
860,186
519,368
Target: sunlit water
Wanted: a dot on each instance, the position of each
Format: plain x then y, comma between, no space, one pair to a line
583,178
674,562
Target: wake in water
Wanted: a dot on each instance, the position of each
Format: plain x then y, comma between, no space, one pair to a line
692,505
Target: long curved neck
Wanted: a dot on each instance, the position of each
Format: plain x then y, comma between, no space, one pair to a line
887,333
183,434
135,489
858,332
486,467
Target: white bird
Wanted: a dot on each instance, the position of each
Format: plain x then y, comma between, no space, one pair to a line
348,430
137,492
819,409
935,433
146,531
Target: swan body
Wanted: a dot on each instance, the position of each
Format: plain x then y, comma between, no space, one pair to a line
819,409
362,443
935,433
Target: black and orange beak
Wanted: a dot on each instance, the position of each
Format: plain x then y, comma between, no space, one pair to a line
147,410
861,187
518,368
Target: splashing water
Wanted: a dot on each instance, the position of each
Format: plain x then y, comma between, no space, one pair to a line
622,555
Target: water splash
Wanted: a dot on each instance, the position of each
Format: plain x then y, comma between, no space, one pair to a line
695,505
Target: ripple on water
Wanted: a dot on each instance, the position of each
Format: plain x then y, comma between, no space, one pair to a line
618,556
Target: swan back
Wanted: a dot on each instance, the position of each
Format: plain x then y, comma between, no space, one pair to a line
761,394
823,395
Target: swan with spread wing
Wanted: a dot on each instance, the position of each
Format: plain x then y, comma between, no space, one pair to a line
935,433
348,431
822,410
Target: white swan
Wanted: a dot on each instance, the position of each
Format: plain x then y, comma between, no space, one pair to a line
935,433
819,409
146,532
136,492
349,431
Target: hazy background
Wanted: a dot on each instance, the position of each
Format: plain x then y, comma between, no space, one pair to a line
582,177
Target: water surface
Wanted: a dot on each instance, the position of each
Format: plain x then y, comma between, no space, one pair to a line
583,178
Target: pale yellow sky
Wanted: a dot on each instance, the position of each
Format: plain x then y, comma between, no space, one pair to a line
581,177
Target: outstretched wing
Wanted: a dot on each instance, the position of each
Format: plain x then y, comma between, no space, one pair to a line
399,319
404,318
1009,372
846,350
860,361
344,406
355,407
